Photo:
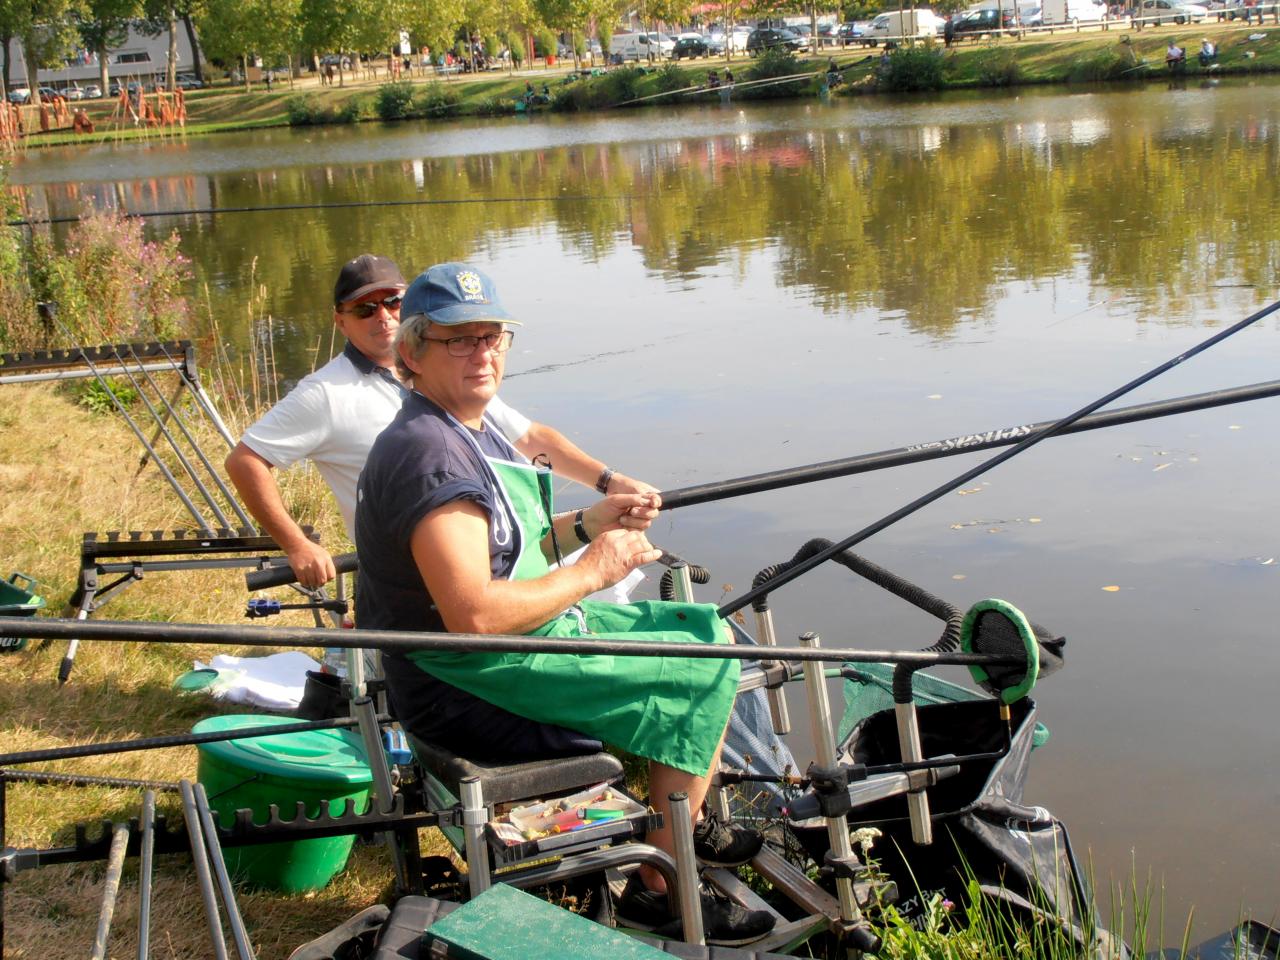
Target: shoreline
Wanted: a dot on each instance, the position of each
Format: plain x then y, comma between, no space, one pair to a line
1120,56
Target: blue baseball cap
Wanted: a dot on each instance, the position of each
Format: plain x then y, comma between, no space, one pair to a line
453,293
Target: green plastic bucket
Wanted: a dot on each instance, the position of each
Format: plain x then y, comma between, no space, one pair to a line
16,601
314,766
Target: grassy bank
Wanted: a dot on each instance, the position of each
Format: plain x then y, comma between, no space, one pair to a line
1115,55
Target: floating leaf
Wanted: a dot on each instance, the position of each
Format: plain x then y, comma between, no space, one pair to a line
1112,589
934,396
1235,426
957,576
965,493
1034,520
1160,467
993,530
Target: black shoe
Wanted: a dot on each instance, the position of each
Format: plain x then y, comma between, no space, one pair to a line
720,844
724,922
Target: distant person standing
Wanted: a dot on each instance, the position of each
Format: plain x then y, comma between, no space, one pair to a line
949,30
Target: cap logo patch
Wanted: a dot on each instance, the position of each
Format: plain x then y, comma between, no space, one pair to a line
471,287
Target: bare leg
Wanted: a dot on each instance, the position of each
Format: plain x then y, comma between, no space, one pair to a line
664,781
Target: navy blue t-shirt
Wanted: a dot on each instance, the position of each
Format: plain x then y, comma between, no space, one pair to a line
418,464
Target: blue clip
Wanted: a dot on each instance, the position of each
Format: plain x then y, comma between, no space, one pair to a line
397,747
262,608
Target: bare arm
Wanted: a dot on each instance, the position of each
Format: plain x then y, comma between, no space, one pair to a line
255,479
571,461
450,546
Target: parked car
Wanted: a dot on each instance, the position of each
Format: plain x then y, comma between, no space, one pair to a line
770,38
1165,11
827,34
1031,16
690,47
19,95
92,91
983,21
188,82
848,33
804,32
921,22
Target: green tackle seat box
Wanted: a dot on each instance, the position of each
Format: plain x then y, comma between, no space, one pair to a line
313,767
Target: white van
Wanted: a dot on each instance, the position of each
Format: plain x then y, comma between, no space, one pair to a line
1073,11
637,46
921,22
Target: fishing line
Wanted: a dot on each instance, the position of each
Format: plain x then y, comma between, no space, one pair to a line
1049,431
339,205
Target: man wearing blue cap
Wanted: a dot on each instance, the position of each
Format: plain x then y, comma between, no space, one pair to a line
455,532
333,415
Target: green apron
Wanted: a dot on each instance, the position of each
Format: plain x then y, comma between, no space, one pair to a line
671,710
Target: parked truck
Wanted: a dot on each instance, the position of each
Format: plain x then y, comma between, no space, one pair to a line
1073,11
920,22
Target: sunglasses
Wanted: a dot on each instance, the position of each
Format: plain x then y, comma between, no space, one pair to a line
366,310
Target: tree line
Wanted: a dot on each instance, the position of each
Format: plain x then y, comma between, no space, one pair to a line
285,32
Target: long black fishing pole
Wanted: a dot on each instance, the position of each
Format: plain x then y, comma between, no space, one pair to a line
954,446
128,631
340,205
1054,428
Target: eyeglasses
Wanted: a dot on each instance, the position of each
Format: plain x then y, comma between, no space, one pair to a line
366,310
466,346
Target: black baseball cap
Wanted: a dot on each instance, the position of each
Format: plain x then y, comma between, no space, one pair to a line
364,274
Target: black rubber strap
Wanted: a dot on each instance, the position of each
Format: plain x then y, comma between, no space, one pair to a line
580,529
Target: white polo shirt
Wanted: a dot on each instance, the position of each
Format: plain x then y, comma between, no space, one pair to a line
332,418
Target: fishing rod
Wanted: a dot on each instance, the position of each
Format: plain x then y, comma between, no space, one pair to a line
129,631
340,205
1054,428
953,446
736,85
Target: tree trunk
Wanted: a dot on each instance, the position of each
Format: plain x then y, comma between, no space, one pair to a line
341,76
195,46
245,60
4,77
289,63
171,75
33,74
104,72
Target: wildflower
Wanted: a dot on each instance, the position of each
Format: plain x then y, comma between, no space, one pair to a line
864,838
948,906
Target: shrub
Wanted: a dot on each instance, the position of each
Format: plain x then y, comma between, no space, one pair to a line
773,63
437,100
1106,64
615,87
998,68
912,68
394,100
544,43
307,110
110,284
353,110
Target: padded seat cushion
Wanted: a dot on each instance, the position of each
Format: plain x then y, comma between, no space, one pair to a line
504,782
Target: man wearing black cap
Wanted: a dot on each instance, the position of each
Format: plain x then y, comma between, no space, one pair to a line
333,416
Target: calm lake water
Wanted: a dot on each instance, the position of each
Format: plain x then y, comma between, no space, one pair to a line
730,289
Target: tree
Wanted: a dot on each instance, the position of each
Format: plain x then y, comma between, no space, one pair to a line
105,26
48,34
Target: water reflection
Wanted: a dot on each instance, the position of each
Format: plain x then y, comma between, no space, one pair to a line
867,207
